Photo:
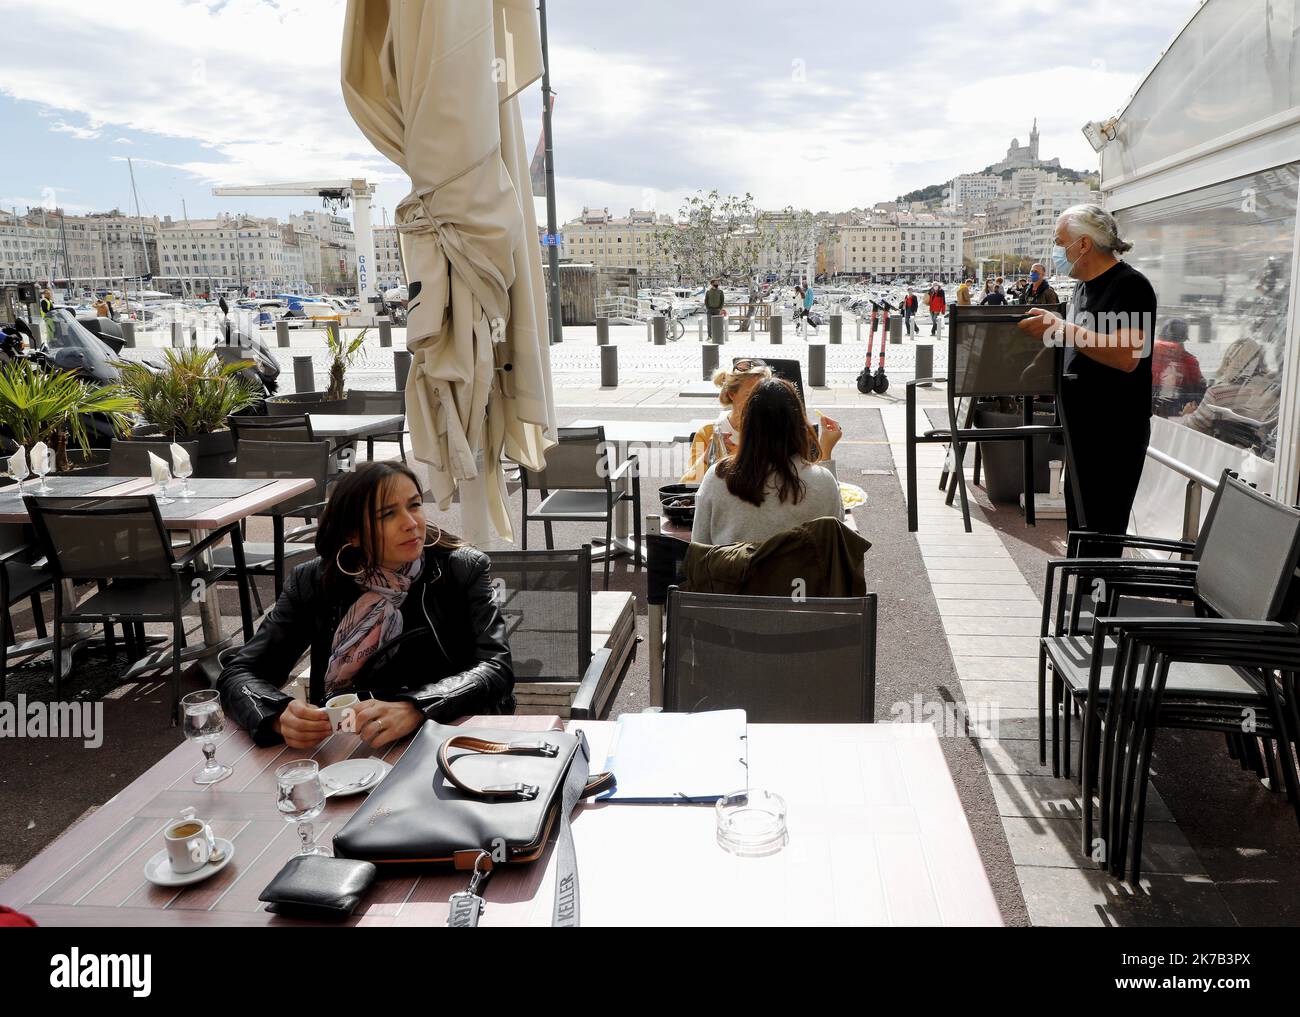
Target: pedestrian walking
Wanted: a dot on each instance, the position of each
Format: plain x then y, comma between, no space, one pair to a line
714,298
911,303
938,307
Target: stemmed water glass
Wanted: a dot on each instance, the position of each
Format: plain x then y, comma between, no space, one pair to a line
204,720
300,799
12,471
163,497
184,472
41,472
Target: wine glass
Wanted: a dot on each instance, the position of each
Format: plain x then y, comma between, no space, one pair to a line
41,472
300,799
204,720
163,497
13,471
184,472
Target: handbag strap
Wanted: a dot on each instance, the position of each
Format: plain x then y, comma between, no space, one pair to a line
579,783
481,745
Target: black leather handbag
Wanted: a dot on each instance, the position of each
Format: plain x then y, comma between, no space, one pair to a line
476,798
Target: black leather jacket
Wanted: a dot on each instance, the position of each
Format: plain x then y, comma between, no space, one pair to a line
451,660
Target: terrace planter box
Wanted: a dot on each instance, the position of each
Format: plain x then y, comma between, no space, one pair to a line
1003,469
216,452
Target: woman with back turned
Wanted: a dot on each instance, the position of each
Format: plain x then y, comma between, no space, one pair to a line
773,482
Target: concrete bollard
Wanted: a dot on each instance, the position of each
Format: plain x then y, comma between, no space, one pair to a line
837,329
304,375
774,326
816,365
718,329
401,369
924,362
699,328
128,333
385,333
178,334
858,337
609,366
709,358
648,336
602,331
660,330
282,334
896,330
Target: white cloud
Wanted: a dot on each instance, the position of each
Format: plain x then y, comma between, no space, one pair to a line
253,87
80,133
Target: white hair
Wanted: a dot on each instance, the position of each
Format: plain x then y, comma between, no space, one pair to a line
1098,225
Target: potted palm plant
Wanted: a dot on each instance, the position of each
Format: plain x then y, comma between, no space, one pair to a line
343,353
189,400
53,407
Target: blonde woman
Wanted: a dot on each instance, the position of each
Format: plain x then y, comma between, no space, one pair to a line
735,386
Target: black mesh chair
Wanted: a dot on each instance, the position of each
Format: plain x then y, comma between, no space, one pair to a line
665,569
545,598
122,542
290,427
131,458
578,485
988,356
274,460
1236,657
780,660
23,574
370,401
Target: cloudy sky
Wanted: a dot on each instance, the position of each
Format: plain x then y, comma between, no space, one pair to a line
824,104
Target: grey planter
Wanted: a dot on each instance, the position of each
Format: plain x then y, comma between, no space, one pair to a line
1003,468
216,452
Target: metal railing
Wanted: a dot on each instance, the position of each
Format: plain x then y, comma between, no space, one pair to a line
1196,481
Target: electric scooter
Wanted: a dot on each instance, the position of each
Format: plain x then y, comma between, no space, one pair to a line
878,383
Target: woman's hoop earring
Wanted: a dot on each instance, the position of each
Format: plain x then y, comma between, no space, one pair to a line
434,542
339,564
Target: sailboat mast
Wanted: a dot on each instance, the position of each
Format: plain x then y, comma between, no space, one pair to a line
139,292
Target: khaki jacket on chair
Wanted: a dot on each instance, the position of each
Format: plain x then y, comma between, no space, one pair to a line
824,554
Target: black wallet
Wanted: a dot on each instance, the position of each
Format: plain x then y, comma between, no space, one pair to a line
317,886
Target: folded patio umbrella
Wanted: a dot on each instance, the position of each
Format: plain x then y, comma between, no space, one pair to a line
433,85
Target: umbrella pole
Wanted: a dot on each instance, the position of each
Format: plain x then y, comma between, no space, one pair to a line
552,228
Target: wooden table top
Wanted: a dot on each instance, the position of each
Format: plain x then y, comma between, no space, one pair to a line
354,425
196,513
877,836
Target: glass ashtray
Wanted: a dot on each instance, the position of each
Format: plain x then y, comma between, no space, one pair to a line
751,823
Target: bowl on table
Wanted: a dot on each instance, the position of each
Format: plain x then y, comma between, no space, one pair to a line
678,503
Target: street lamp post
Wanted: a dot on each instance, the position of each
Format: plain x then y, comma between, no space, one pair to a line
552,227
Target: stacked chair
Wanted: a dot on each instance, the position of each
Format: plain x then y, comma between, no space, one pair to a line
1226,662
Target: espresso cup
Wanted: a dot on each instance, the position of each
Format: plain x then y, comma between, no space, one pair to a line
339,709
188,845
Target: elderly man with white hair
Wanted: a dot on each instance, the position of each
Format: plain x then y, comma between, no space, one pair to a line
1106,392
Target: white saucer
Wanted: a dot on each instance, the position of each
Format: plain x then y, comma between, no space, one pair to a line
348,770
158,869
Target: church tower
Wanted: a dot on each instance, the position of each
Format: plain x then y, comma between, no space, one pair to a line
1033,141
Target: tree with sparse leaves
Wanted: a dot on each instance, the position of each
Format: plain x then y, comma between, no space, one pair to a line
794,236
713,237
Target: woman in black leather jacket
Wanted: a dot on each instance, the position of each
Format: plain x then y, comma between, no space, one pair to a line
390,608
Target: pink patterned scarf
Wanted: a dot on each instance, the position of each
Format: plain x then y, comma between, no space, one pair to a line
373,620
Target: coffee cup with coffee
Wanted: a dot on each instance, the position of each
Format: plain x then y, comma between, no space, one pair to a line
189,844
339,708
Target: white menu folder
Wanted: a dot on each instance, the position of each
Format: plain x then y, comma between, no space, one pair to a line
678,757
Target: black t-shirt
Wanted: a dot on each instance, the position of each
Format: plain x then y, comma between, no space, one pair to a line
1119,298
